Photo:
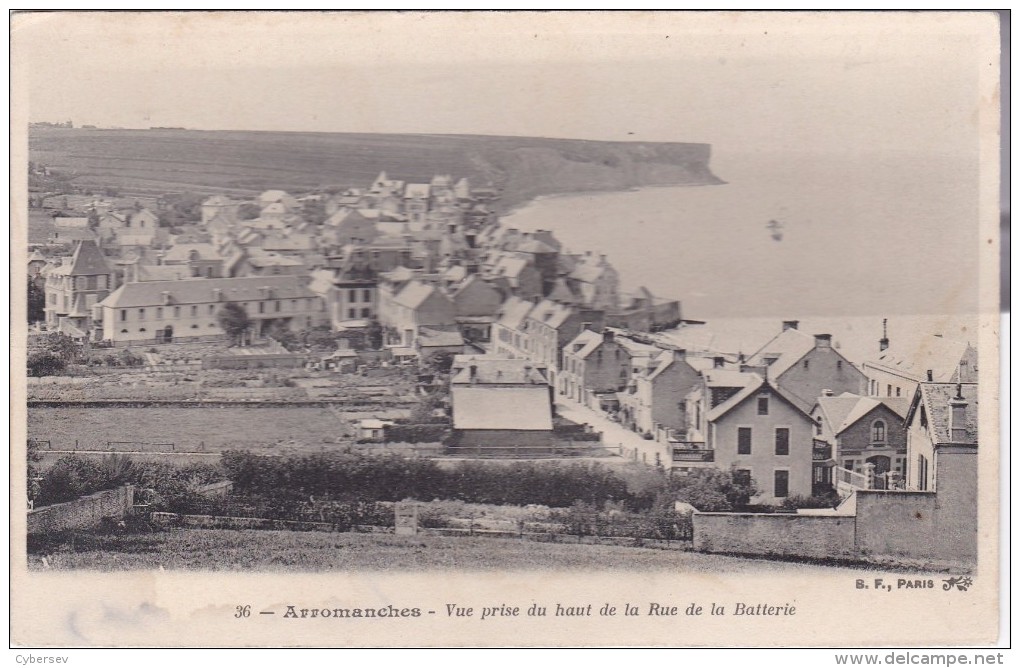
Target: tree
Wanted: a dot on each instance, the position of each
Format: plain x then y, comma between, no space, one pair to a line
282,334
712,490
93,219
375,335
45,364
36,303
234,320
62,346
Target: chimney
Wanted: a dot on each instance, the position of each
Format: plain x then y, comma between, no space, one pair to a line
883,342
740,358
823,340
608,336
826,393
679,354
790,324
474,373
928,374
958,416
718,362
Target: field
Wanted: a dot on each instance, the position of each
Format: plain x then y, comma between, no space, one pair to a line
152,162
282,429
230,550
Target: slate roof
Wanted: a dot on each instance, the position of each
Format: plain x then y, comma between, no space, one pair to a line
182,252
584,344
789,346
937,353
754,384
414,294
497,370
438,338
164,272
514,312
935,398
201,290
87,260
534,246
550,313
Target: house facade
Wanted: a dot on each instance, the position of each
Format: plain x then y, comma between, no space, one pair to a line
75,286
188,310
862,431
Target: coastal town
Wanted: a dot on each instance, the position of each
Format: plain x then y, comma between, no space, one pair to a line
459,338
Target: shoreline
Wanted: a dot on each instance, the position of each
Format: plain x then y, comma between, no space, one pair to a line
516,208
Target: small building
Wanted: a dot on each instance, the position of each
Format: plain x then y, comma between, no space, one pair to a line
373,429
500,402
861,431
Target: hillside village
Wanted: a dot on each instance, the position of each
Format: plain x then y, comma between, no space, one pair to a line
515,340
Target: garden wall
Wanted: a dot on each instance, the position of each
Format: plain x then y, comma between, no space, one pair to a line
82,513
817,536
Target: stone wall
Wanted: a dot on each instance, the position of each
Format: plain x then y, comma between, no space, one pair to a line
82,513
896,524
786,534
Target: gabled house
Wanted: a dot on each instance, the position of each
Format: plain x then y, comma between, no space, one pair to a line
596,282
549,326
74,287
508,336
594,364
865,435
219,206
805,366
655,397
202,260
761,432
417,305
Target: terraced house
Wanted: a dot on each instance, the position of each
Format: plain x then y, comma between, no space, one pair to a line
187,310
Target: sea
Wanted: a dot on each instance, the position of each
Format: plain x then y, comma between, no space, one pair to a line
838,242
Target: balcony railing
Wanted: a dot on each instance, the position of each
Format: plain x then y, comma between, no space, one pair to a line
692,452
821,451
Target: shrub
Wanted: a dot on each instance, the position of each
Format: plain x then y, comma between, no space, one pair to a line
45,364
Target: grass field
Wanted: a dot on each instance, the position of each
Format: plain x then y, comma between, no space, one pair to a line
245,163
230,550
219,428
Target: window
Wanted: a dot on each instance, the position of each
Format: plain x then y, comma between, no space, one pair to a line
208,272
806,364
782,440
848,464
194,311
352,295
142,329
276,306
888,390
839,364
897,391
763,405
818,426
352,313
212,309
262,307
123,314
366,312
922,473
781,489
743,440
878,431
141,314
366,295
177,311
123,331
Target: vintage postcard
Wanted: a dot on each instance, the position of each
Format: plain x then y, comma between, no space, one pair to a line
413,329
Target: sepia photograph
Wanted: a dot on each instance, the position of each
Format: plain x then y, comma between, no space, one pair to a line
505,329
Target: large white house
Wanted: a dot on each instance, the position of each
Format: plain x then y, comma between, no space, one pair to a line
166,311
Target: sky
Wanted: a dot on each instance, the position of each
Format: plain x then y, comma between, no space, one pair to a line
820,82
